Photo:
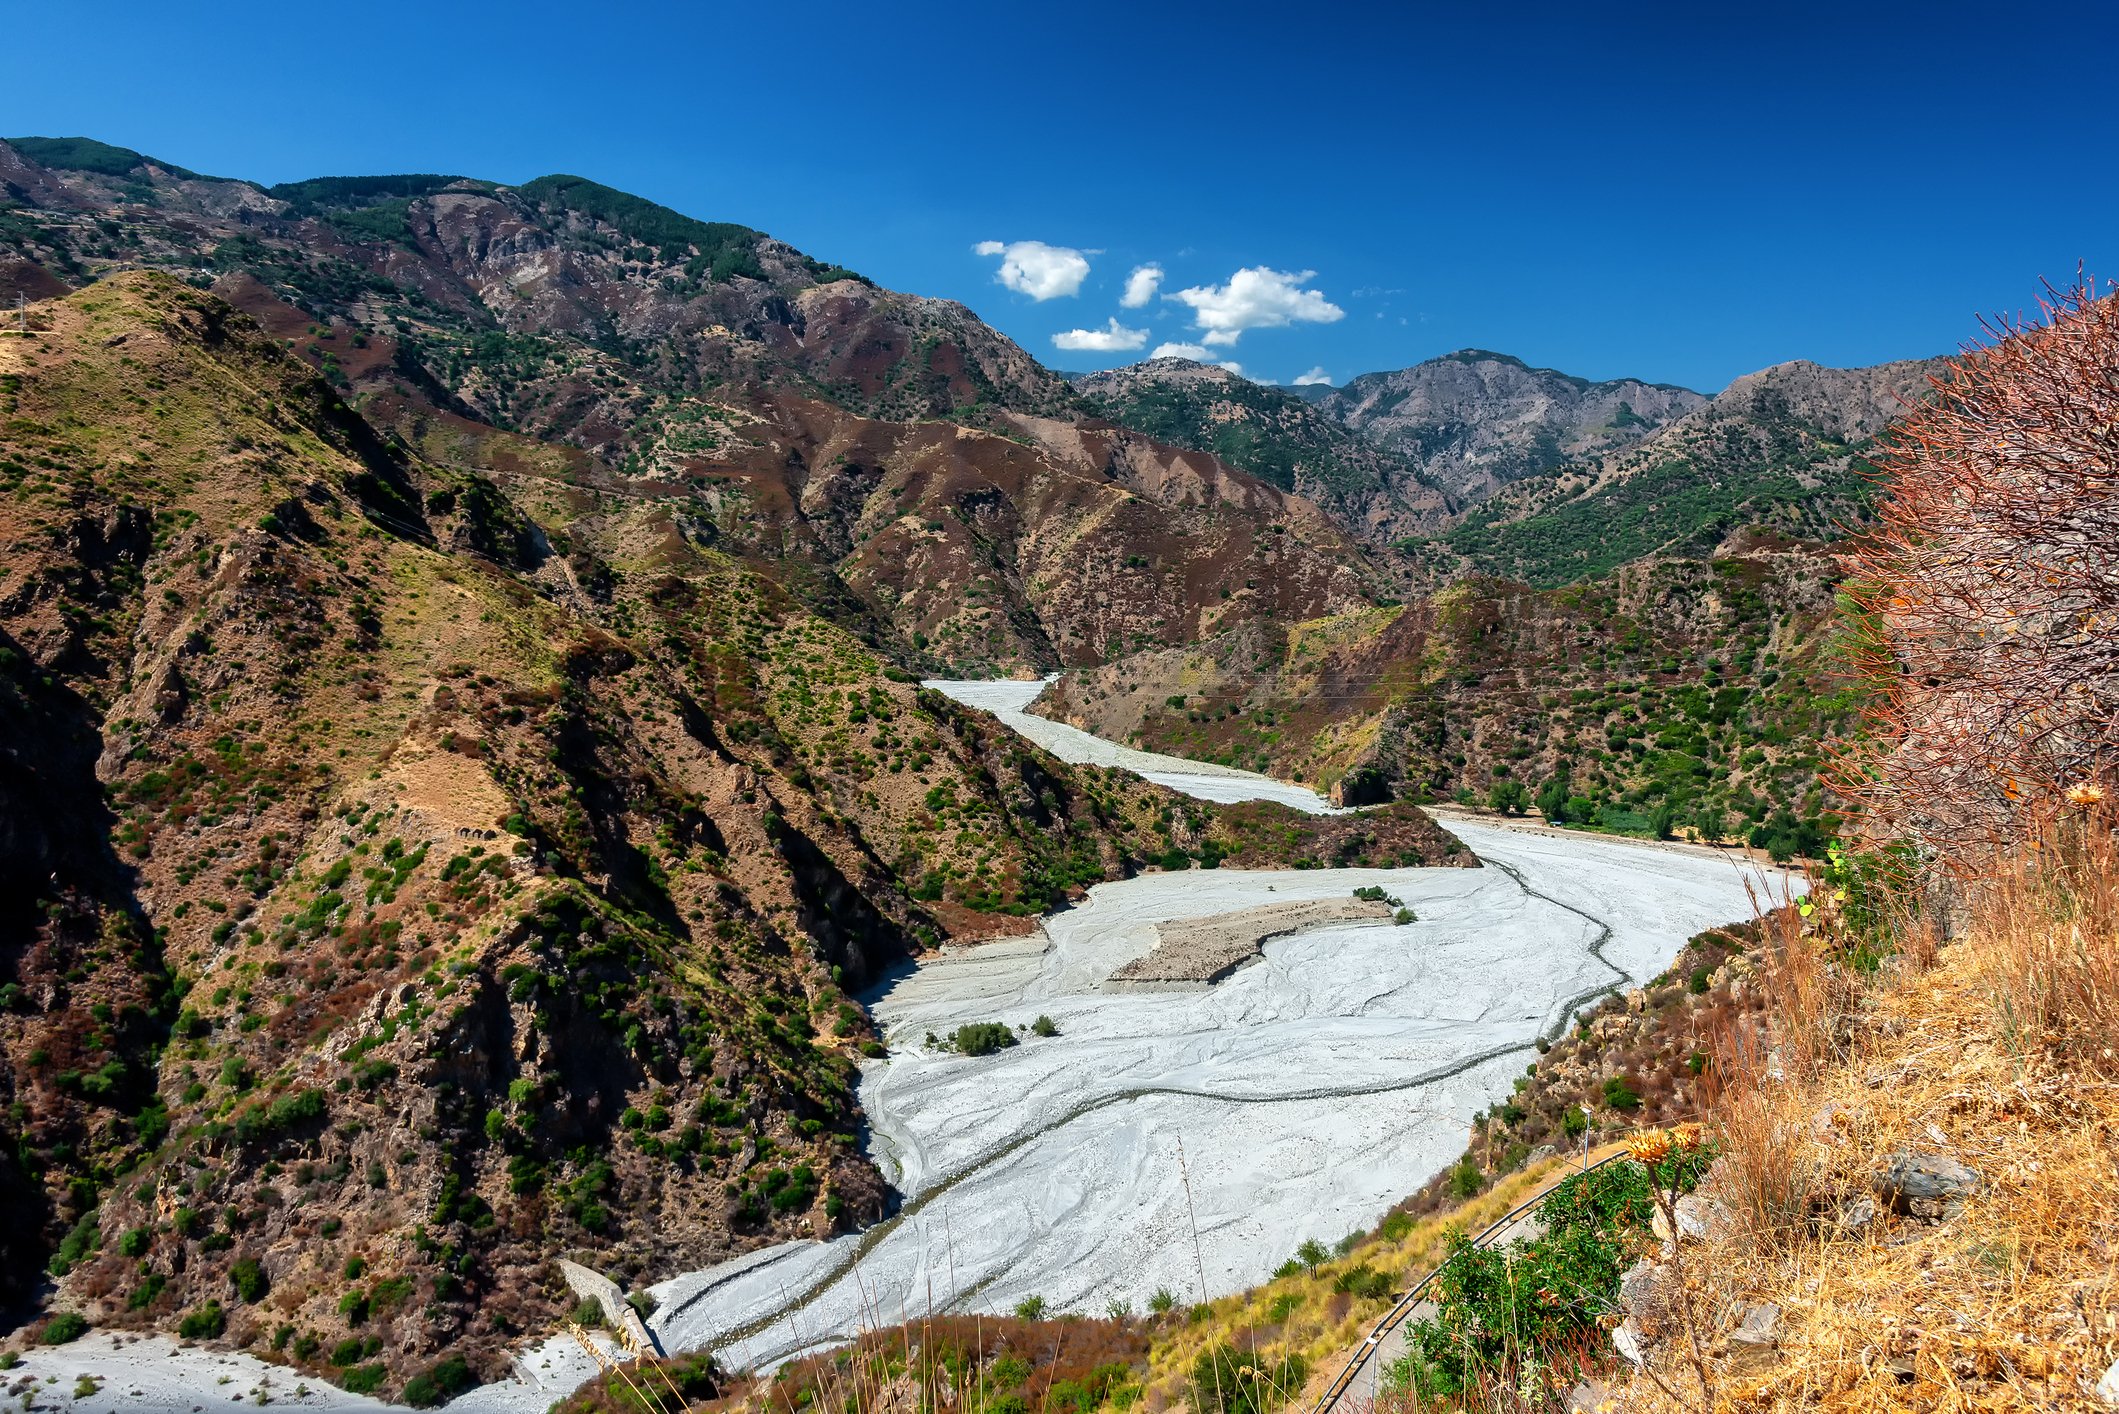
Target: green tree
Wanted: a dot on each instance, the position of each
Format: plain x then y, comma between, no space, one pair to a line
1509,797
1711,822
1552,799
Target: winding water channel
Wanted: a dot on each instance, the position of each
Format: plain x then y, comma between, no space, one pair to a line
1300,1096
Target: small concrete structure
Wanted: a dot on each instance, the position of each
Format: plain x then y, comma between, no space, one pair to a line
618,1313
1199,951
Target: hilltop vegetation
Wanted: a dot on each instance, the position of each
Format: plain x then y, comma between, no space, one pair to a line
1274,435
1676,697
1780,456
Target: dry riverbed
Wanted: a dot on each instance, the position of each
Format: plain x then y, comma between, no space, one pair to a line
1159,1137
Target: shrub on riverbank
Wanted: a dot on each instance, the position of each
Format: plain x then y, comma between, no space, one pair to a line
982,1038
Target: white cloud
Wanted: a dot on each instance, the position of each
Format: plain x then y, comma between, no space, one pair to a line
1038,270
1114,339
1198,353
1141,286
1235,368
1313,377
1256,298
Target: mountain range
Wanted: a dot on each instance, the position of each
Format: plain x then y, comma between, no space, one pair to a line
461,742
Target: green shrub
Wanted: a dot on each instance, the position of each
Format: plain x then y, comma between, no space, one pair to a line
1363,1281
203,1322
64,1327
983,1038
1465,1179
1504,1311
1044,1026
1030,1308
449,1377
362,1379
249,1279
1620,1095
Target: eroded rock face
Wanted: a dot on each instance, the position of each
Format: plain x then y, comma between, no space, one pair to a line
1475,421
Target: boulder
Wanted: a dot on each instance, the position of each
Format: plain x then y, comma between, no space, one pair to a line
1929,1186
2107,1390
1756,1340
1698,1219
1854,1216
1644,1295
1626,1339
1590,1397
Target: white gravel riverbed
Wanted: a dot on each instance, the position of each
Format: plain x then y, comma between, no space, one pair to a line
1307,1093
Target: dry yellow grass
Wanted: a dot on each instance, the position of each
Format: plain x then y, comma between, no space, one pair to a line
2000,1056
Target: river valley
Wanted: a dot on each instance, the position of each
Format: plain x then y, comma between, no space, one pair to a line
1185,1140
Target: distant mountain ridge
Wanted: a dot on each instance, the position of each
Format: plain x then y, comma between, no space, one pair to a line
1273,433
1778,454
1394,454
869,449
1474,420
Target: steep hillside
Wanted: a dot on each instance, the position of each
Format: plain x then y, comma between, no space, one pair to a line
794,406
1275,435
407,875
1778,454
1474,421
1684,695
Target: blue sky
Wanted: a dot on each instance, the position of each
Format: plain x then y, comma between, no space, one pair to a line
1676,193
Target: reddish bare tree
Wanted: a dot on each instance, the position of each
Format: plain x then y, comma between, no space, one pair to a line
1992,590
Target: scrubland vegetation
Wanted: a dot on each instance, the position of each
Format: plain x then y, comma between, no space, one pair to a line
1870,1137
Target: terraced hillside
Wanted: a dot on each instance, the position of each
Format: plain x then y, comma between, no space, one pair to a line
409,873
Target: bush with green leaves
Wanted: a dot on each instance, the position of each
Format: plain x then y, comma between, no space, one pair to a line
983,1038
1505,1311
249,1279
64,1327
203,1322
449,1377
